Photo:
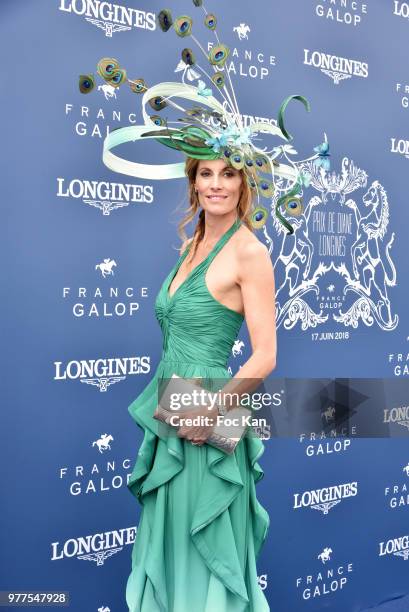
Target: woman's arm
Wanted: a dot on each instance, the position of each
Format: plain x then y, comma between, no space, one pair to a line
256,279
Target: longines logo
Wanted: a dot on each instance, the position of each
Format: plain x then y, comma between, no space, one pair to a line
98,477
102,373
337,267
109,17
325,581
111,301
247,120
401,9
399,415
95,547
325,499
103,196
397,495
248,63
396,546
400,146
337,68
347,12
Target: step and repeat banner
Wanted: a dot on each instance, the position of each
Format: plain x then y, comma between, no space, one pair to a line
87,251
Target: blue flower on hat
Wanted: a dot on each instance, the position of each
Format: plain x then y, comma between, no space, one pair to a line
231,135
216,143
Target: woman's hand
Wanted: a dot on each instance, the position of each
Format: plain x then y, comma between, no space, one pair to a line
198,434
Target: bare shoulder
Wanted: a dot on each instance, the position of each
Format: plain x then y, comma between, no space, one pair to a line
251,254
249,247
185,244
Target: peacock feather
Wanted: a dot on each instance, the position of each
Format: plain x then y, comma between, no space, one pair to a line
157,120
165,20
293,206
237,160
265,188
258,217
86,83
183,25
226,153
262,163
218,55
157,103
118,77
286,200
195,111
188,57
106,67
138,85
218,79
251,181
210,21
249,163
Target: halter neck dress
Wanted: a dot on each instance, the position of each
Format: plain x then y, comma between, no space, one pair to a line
201,527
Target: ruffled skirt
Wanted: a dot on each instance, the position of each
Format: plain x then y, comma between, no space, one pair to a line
201,528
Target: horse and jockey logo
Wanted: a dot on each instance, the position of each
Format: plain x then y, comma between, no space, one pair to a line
103,442
108,91
325,555
336,266
237,348
329,414
242,31
106,267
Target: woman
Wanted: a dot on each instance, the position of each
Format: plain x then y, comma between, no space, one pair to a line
202,528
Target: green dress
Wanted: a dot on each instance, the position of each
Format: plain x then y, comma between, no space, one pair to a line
201,527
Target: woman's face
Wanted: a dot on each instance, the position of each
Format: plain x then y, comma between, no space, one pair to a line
218,186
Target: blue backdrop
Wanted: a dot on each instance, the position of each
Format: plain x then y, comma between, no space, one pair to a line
88,249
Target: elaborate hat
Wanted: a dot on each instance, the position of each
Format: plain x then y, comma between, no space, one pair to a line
210,128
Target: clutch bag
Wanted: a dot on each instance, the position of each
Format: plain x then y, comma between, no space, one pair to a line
225,435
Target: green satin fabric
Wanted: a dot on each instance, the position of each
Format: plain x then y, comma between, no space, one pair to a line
201,527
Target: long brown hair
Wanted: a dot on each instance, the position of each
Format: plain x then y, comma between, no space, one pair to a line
244,206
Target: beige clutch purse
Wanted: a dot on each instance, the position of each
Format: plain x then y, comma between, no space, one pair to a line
228,431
